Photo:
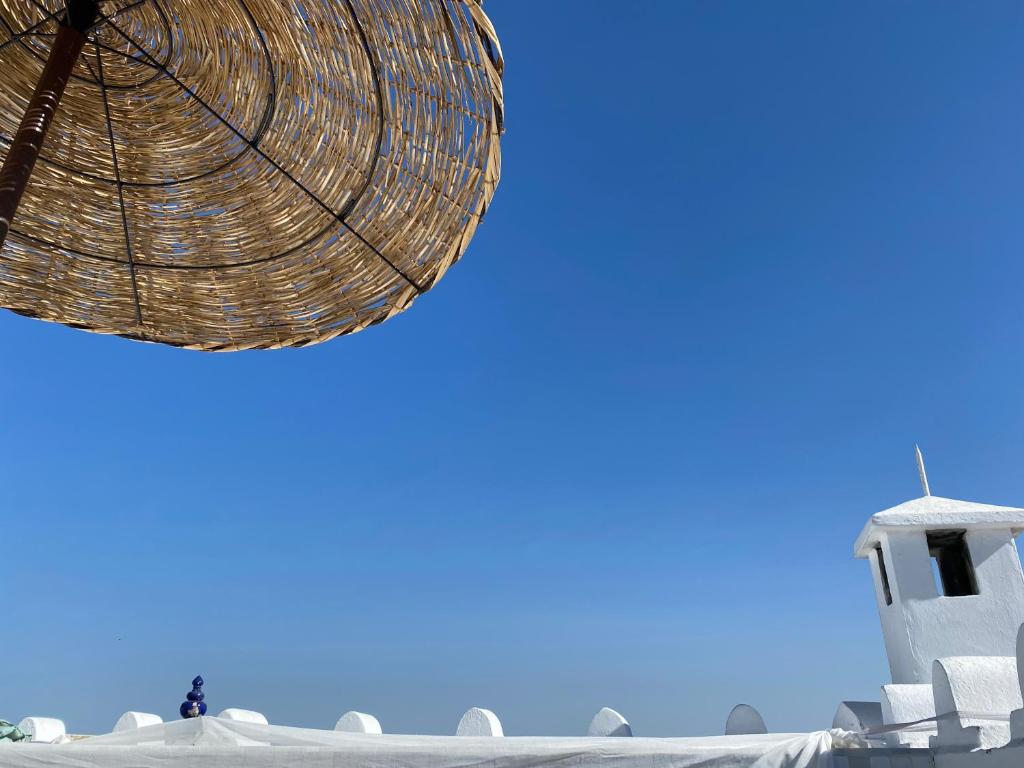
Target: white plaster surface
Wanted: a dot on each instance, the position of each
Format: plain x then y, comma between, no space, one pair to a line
937,512
358,722
978,690
1017,716
130,720
243,716
1011,756
1020,657
908,704
744,719
857,715
479,722
920,625
608,722
47,730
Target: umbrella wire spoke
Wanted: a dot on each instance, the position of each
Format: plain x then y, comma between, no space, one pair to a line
102,19
268,113
153,62
120,186
33,30
379,94
44,9
85,61
17,36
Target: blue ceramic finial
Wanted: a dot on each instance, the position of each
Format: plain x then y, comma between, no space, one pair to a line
195,706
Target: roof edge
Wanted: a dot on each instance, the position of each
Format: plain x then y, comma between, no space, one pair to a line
976,519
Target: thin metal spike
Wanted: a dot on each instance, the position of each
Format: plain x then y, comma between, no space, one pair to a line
921,472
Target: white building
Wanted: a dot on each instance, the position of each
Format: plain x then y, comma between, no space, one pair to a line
950,594
948,581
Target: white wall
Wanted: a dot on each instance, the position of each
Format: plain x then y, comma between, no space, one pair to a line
920,626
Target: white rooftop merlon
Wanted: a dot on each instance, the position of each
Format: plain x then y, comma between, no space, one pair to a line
974,698
131,720
908,703
479,722
948,580
358,722
608,722
244,716
47,730
744,720
857,715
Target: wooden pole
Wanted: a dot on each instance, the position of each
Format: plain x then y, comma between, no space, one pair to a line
28,141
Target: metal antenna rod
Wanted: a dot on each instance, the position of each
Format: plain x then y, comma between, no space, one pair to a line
921,472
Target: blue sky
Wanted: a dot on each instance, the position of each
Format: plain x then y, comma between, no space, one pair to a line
743,257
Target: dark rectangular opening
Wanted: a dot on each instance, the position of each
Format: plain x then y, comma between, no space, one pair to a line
952,561
883,574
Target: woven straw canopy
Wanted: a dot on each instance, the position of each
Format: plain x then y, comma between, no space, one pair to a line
235,174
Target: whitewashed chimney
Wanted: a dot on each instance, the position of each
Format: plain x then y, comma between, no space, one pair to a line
947,579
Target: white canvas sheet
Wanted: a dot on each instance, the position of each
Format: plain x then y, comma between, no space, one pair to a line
214,743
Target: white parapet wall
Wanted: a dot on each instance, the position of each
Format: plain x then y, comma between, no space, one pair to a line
1017,716
243,716
130,720
908,704
857,715
608,722
744,720
47,730
974,697
479,722
358,722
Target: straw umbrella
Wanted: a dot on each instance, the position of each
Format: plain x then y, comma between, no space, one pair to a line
235,174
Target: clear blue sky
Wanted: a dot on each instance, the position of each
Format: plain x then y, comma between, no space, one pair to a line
743,257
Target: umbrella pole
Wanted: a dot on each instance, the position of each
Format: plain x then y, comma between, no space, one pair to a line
28,141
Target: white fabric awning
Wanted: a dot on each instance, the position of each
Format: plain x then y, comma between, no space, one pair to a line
210,741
